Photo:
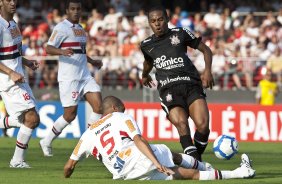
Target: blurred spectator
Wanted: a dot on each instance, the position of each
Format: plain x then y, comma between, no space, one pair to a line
213,19
3,113
267,90
274,63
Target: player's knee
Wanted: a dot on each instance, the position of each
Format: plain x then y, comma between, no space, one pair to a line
32,120
180,123
70,117
203,125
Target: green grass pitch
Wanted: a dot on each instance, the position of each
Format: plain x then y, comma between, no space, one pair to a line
267,160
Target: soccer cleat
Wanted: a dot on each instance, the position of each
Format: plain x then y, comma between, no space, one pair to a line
46,149
246,167
19,164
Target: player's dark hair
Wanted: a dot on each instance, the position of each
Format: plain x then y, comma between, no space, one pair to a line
71,1
158,8
109,101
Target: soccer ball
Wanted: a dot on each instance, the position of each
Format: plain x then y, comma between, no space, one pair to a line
225,147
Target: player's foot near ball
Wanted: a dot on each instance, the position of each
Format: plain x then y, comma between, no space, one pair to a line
245,169
19,164
46,149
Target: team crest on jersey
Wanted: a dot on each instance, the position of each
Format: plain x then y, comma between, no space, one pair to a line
168,97
174,40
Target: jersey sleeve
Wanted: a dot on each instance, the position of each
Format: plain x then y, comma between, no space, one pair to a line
81,149
131,127
57,37
146,56
190,39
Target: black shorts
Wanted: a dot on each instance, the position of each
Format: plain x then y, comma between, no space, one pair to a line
182,95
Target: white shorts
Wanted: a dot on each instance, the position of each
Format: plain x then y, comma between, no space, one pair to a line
18,99
72,91
145,165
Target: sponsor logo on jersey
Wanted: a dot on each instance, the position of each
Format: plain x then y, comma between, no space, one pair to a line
174,40
168,63
78,32
15,32
170,80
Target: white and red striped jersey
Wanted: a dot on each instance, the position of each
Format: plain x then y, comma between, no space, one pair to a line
10,51
111,139
69,35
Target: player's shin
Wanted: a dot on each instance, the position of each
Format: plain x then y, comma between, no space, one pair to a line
22,143
188,146
190,162
201,141
218,175
57,128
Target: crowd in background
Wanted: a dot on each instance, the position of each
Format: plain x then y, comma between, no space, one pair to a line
244,38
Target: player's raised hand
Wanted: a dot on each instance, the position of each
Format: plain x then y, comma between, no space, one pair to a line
16,77
67,52
207,79
148,81
165,170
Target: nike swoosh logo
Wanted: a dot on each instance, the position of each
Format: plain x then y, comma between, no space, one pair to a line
151,49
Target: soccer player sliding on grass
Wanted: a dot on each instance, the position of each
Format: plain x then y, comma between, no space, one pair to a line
116,140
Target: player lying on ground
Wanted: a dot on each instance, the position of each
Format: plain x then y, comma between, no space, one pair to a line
116,140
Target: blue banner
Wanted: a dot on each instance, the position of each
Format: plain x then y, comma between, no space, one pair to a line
49,112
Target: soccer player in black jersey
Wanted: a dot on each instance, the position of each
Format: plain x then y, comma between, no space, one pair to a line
180,86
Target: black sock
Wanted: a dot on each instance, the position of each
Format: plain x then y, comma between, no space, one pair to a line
188,146
201,141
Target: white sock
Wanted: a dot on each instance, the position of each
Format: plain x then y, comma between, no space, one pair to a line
218,175
8,122
93,118
190,162
58,127
22,143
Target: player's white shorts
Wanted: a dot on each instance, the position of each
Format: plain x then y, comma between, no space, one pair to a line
145,165
72,91
18,99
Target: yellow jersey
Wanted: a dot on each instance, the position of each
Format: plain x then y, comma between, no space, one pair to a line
267,92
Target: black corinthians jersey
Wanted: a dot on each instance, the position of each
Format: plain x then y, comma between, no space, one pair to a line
168,54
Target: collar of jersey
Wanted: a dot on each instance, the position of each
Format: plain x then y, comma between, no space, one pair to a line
163,36
7,23
69,23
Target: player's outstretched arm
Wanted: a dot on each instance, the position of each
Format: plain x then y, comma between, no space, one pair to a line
69,167
207,77
145,148
146,78
56,51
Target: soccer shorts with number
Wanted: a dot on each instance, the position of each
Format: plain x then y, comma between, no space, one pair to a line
72,91
18,99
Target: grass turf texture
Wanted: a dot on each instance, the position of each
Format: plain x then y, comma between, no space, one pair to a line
266,160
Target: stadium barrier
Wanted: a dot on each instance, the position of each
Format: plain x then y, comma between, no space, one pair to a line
246,122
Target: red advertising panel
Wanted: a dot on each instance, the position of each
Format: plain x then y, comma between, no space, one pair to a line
245,122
